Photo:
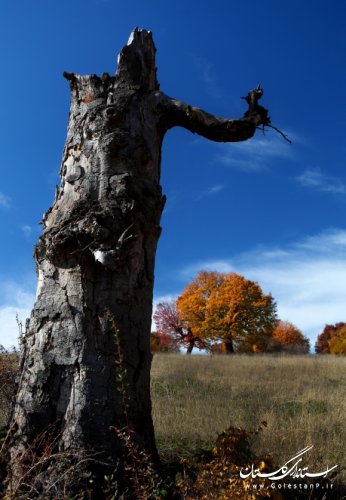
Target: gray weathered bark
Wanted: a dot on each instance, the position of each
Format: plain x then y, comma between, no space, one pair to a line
96,255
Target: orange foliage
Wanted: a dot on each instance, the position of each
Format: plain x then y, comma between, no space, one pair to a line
337,344
229,308
322,343
193,302
288,337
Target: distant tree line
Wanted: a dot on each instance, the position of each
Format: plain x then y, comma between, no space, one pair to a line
221,312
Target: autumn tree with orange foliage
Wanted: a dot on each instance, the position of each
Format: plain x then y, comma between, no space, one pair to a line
228,308
337,344
288,338
322,343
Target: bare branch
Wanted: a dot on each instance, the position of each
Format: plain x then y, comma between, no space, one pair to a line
181,114
277,130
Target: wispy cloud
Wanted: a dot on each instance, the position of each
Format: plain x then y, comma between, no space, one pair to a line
30,231
306,278
17,299
207,76
4,200
211,191
331,242
316,179
255,154
27,230
215,189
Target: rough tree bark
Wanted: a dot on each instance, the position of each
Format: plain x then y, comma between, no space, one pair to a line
96,255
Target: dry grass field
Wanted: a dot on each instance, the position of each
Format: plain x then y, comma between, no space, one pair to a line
302,399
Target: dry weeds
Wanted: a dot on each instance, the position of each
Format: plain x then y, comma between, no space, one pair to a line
302,399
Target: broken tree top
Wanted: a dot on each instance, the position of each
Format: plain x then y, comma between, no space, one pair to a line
137,71
136,63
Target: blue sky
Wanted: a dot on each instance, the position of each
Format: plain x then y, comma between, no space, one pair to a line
271,211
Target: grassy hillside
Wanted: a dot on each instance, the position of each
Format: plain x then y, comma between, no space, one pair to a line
302,399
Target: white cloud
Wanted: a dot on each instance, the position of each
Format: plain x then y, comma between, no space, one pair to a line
222,266
212,190
307,279
17,300
316,179
256,153
163,298
333,240
4,200
9,329
27,230
215,189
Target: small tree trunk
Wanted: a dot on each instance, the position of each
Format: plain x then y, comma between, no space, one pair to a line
95,261
190,347
228,347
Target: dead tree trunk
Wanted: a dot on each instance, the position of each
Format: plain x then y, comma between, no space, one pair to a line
95,258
